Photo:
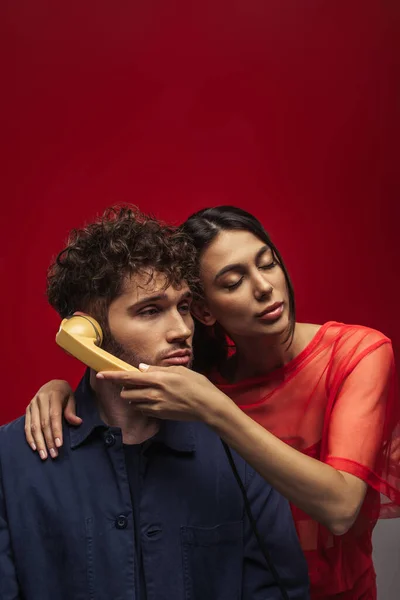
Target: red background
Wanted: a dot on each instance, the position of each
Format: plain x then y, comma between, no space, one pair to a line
285,108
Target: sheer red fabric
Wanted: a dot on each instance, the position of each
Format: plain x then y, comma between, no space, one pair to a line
337,402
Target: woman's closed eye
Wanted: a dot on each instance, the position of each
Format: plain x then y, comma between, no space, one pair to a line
268,266
233,285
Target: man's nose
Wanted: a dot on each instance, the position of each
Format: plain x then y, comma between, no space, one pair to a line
180,329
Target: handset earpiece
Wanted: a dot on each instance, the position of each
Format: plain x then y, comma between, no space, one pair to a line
81,336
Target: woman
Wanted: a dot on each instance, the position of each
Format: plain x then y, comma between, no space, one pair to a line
314,408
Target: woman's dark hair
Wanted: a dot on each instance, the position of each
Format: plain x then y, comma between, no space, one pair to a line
210,344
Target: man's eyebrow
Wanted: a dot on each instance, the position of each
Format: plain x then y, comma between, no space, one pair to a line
148,300
239,266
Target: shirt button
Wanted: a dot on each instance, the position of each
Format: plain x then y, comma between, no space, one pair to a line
109,440
121,522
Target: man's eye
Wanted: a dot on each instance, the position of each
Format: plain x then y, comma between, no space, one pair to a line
185,308
149,312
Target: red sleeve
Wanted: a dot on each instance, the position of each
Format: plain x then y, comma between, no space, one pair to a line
362,436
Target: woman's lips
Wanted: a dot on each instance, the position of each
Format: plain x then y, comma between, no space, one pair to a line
271,313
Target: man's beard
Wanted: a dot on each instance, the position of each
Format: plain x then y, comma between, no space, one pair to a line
116,349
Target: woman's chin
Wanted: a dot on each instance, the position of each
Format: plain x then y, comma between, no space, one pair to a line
276,328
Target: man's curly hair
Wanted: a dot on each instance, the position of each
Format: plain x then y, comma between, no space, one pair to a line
88,274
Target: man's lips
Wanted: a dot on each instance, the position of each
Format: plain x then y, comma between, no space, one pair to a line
180,357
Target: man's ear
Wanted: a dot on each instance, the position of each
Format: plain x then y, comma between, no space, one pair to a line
79,313
202,313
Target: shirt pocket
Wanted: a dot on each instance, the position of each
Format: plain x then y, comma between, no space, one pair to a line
213,561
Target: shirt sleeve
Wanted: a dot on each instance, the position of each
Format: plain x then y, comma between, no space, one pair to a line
276,528
362,433
9,588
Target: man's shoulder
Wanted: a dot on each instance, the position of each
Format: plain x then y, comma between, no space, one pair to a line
15,452
210,448
13,428
204,434
12,437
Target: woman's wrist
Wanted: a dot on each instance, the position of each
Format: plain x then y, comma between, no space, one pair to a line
219,409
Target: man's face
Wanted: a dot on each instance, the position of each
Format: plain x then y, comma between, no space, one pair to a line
150,323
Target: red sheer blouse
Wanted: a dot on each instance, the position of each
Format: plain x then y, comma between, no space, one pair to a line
337,402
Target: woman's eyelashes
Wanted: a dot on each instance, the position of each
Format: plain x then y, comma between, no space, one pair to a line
236,284
232,286
270,265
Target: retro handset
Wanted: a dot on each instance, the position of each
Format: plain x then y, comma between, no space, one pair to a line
81,336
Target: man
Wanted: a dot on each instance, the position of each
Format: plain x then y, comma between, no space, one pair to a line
135,508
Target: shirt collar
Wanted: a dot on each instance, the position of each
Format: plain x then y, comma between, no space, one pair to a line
86,409
176,435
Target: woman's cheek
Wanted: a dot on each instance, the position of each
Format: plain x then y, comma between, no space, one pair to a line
234,309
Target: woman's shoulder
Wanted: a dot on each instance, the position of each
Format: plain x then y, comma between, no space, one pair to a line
341,337
354,332
350,342
340,347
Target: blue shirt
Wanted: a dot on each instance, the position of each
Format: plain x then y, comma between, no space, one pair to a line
67,530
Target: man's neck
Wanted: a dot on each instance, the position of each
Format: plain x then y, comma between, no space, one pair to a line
136,428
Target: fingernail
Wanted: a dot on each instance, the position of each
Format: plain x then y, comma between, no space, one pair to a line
43,454
33,446
99,375
53,453
58,442
143,367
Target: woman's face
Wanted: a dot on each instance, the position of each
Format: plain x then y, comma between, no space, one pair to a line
245,289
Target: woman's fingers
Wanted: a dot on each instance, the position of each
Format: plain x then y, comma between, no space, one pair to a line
28,432
44,404
36,429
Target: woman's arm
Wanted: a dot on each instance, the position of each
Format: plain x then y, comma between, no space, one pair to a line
361,422
331,497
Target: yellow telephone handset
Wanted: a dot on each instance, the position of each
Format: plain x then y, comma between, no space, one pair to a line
81,336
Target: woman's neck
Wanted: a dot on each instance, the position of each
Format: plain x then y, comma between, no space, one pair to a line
256,357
